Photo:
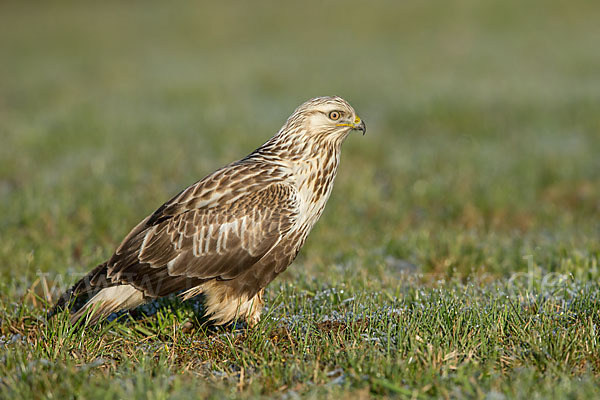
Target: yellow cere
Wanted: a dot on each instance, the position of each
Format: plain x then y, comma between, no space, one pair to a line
356,121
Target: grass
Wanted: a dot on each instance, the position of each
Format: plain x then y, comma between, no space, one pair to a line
458,254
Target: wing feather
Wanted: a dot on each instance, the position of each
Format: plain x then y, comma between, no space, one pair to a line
183,245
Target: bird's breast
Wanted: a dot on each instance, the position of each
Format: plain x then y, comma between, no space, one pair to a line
314,182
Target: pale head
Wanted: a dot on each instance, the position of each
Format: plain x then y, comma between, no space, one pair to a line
326,118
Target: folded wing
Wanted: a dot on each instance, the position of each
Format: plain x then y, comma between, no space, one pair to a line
181,246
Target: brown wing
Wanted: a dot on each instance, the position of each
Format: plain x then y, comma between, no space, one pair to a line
182,245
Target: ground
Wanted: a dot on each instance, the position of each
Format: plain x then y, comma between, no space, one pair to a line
458,254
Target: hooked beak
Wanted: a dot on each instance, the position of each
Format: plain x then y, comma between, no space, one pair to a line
358,125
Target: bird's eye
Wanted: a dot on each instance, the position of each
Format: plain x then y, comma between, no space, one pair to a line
334,115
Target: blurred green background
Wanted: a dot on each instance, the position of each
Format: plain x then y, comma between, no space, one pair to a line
483,116
458,254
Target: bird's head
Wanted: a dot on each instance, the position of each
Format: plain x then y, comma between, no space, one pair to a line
326,118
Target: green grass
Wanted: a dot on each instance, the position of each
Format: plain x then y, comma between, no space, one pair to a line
458,254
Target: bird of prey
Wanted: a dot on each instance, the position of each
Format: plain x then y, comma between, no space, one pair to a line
230,234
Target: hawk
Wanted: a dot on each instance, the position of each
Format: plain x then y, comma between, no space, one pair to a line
230,234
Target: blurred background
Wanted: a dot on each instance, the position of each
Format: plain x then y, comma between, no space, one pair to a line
483,117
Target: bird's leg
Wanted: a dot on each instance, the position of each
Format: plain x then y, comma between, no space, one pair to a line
255,309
